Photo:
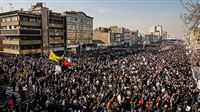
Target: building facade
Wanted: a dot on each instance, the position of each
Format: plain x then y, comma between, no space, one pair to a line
79,28
194,47
39,30
157,31
21,32
102,36
114,35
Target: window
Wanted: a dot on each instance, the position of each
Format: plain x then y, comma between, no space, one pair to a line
14,27
84,28
118,39
3,19
3,27
75,19
9,27
14,18
12,47
37,20
81,20
71,19
76,27
32,19
90,22
69,26
24,19
8,19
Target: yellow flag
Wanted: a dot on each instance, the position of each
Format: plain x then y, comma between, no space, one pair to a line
52,56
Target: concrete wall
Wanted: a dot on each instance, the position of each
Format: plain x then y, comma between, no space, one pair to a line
103,36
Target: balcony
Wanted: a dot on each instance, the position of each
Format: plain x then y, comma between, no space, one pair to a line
11,42
31,51
56,41
21,32
56,33
10,23
25,23
29,42
9,32
56,25
10,51
21,42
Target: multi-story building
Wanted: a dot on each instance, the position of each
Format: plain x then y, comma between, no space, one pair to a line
194,46
130,36
117,35
114,35
39,30
21,32
32,32
52,26
79,28
102,36
157,31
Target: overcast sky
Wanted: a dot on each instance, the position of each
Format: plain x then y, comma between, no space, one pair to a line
133,14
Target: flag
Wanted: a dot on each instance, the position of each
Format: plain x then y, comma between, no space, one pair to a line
66,62
52,56
141,102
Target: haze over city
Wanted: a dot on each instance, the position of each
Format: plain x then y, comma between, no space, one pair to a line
133,14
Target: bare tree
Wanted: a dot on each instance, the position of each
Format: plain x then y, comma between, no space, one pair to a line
192,16
192,21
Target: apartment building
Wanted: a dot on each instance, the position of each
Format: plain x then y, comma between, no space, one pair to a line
117,35
39,30
157,31
33,31
52,26
194,39
114,35
79,28
21,32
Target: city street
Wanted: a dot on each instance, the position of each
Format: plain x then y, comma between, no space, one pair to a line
99,56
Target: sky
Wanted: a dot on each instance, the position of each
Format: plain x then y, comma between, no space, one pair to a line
133,14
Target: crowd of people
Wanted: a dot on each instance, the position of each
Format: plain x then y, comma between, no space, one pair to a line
124,79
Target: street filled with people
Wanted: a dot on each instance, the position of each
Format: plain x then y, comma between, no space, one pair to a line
115,79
